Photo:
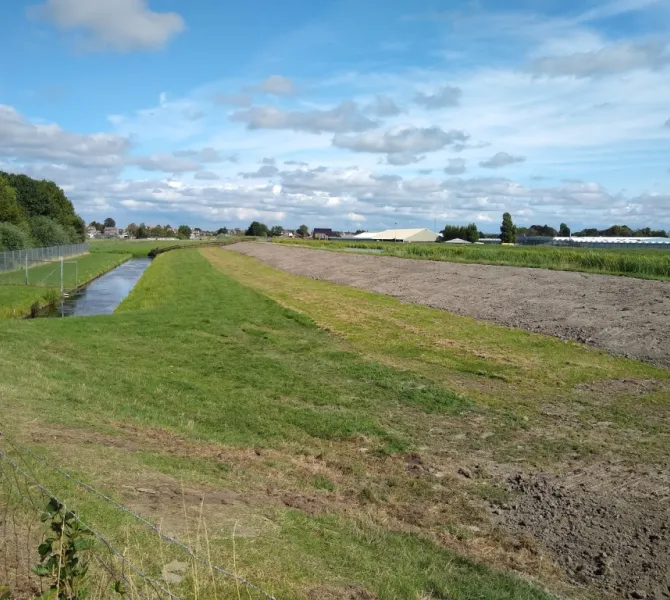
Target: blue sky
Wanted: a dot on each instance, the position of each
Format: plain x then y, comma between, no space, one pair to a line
344,113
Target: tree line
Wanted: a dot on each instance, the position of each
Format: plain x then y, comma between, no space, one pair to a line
257,229
36,213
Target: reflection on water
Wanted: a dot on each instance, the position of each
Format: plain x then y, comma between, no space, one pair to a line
103,295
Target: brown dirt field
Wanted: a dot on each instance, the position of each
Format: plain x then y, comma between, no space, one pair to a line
624,316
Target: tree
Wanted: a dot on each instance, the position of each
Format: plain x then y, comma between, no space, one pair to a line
359,231
109,222
184,232
564,230
537,230
48,232
276,231
469,233
142,232
222,231
507,230
303,231
44,198
257,229
10,211
13,237
131,230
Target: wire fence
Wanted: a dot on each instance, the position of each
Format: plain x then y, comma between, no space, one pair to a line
129,556
17,260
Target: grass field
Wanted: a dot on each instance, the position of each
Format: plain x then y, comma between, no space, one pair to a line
215,385
647,264
332,420
16,297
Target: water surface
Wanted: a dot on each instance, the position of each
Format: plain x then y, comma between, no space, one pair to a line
103,296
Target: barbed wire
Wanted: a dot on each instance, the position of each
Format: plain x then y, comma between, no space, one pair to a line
158,531
155,585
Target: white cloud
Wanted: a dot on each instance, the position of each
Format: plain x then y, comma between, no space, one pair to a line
440,98
121,25
402,158
610,60
204,155
277,85
456,166
404,139
343,118
167,163
206,176
24,140
383,106
239,99
263,171
501,159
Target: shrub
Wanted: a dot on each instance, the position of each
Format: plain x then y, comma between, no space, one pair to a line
13,237
47,232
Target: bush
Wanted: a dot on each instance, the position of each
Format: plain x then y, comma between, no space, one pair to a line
47,232
13,237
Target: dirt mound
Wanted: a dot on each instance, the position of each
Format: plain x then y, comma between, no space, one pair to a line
622,315
616,541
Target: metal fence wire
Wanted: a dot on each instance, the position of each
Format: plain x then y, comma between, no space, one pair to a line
15,260
127,549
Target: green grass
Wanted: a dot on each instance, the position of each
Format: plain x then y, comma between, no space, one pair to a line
199,380
641,263
16,298
519,381
138,248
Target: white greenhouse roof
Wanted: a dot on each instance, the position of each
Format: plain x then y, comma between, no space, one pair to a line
614,240
391,234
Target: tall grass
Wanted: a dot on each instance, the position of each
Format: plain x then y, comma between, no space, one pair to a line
642,263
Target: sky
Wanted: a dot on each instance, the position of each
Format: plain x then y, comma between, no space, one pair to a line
349,114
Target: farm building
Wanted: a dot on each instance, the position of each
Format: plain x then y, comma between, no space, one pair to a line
399,235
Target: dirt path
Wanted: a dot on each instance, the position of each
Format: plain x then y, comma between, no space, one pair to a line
625,316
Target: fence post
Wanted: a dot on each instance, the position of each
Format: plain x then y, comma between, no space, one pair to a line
61,276
27,269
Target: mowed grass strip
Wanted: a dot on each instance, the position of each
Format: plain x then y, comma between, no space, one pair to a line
538,400
16,298
633,262
221,386
137,248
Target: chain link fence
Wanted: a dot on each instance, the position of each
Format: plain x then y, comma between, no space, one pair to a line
15,260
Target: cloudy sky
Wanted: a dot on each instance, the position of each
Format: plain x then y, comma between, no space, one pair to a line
342,113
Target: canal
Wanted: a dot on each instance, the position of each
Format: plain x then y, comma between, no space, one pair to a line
103,295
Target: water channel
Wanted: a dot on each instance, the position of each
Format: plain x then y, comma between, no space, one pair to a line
103,295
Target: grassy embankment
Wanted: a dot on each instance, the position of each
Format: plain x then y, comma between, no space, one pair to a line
641,263
138,248
16,298
199,382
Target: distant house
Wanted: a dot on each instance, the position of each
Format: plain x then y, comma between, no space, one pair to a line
322,233
111,232
91,232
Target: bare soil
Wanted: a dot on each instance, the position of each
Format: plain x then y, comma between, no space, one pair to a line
615,538
624,316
